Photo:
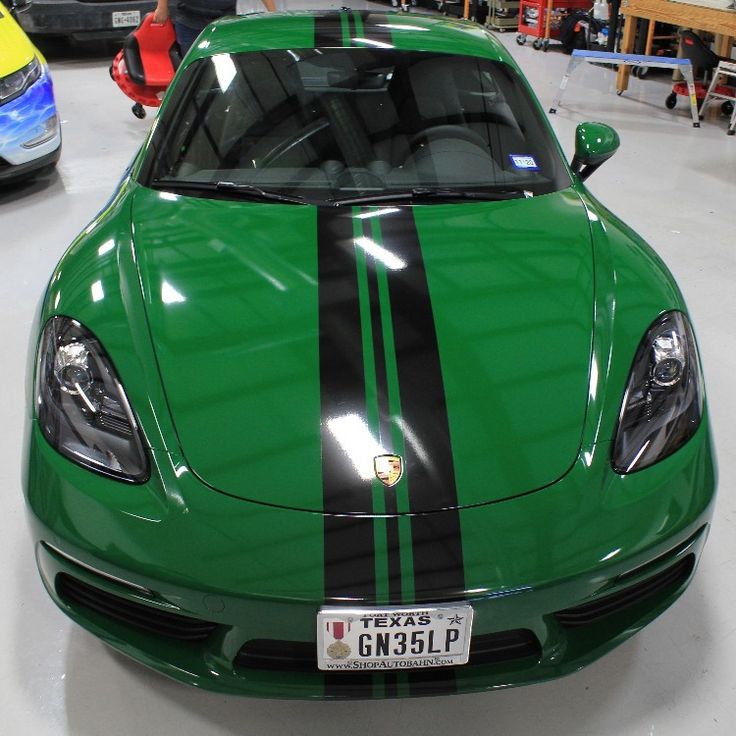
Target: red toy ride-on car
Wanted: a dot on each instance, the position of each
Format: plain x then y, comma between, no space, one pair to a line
705,60
146,64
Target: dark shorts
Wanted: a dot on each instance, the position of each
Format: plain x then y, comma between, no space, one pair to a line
186,36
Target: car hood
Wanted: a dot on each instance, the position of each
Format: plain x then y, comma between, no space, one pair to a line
17,50
371,360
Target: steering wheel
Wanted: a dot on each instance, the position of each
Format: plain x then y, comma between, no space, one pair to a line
284,147
459,132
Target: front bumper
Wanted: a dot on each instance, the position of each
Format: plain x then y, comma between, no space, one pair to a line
91,20
249,577
22,120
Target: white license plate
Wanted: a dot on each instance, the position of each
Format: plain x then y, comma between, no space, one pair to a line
394,637
126,18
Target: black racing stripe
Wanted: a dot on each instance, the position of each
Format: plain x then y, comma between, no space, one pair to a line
393,550
436,535
439,681
349,558
429,463
348,685
352,32
379,354
391,684
328,30
349,552
374,26
384,414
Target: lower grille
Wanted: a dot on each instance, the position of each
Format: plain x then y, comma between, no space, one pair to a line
504,646
667,580
297,656
277,655
136,615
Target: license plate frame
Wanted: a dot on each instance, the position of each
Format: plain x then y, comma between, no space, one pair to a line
126,18
368,638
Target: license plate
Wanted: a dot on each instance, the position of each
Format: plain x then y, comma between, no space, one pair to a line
126,18
394,637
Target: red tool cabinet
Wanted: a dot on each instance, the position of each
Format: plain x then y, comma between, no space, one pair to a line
540,19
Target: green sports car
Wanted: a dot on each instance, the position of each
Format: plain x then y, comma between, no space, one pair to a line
353,389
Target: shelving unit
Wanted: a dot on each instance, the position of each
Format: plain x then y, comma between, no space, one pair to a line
503,14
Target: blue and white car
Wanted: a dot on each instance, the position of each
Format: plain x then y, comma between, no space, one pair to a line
30,136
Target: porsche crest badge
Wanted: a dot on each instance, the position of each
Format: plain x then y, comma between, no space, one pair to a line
388,469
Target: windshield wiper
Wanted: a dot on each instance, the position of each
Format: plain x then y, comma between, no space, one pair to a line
245,191
424,193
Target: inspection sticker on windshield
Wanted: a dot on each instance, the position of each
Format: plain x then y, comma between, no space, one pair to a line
393,637
520,161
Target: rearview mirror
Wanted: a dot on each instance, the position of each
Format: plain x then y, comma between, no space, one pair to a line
594,144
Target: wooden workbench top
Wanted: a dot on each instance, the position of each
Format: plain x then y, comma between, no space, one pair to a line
683,14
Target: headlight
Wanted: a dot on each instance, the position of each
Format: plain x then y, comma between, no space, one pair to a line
663,403
82,408
15,84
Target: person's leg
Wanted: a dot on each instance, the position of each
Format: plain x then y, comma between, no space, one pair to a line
185,36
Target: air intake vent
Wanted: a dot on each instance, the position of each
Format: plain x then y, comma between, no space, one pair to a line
667,580
504,646
273,654
297,656
143,618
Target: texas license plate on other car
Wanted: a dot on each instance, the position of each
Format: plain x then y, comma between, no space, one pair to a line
393,637
126,18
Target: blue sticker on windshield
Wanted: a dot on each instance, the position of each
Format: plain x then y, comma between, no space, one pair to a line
520,161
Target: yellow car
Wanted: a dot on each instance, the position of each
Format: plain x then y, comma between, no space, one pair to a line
30,137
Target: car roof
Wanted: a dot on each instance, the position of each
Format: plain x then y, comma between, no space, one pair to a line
261,31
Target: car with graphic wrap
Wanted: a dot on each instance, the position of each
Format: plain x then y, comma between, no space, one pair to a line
353,389
30,137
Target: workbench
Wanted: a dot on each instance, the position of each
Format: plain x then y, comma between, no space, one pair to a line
696,17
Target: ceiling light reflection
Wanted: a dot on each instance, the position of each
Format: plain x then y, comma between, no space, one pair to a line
169,295
224,70
98,293
357,442
402,27
638,455
106,247
413,440
380,253
371,42
377,213
610,555
593,387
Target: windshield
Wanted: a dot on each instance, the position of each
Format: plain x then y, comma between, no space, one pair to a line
340,124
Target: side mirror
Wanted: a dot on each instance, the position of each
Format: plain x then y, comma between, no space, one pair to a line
594,144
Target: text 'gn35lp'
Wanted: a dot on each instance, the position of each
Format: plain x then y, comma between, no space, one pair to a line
353,389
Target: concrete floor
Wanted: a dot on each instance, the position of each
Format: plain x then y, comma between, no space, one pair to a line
674,184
